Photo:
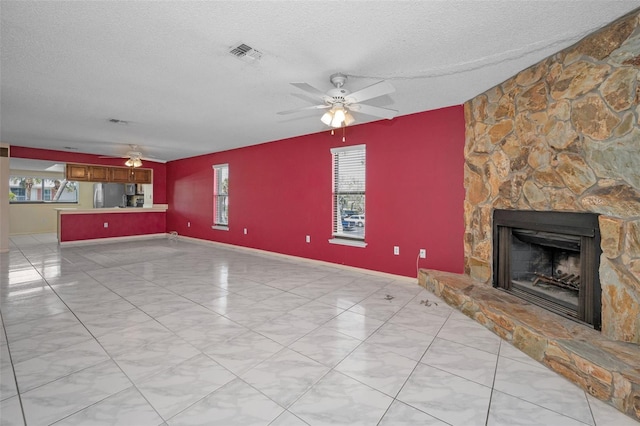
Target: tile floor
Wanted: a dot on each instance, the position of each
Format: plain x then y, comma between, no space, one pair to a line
170,332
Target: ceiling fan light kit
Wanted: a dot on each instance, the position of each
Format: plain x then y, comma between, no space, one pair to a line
133,162
135,157
327,118
337,117
341,102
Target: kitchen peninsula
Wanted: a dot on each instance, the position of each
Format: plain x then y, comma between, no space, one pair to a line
112,186
75,225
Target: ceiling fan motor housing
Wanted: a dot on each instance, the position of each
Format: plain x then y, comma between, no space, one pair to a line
337,95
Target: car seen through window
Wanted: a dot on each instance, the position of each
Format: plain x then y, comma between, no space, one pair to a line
355,220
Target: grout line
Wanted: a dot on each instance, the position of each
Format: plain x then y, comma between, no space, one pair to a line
493,383
4,330
15,378
175,291
95,339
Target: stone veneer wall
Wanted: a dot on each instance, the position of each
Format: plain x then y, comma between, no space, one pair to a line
563,135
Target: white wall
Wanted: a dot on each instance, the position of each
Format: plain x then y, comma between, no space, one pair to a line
42,218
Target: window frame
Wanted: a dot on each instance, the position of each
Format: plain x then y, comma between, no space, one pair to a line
338,234
218,192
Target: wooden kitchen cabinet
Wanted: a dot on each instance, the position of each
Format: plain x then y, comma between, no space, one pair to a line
120,174
91,173
98,173
78,172
141,176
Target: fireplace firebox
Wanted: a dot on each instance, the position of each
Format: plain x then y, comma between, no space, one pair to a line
550,259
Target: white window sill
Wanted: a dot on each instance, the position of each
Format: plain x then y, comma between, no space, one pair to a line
220,227
347,242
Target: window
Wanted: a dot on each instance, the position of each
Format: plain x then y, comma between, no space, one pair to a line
36,189
349,178
221,196
19,194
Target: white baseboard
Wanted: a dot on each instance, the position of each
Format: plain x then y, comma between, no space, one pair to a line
112,240
255,251
297,258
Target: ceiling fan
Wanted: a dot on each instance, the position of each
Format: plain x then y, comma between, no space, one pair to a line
134,157
340,102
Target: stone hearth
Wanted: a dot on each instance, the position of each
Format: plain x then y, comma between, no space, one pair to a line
607,369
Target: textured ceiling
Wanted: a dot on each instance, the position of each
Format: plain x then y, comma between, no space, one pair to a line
67,67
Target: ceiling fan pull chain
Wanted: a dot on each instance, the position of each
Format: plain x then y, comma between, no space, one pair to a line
344,130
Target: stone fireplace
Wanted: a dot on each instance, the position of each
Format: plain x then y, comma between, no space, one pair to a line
563,136
560,138
550,259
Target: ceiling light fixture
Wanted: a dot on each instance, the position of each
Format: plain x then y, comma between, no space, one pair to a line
327,117
339,102
337,117
133,162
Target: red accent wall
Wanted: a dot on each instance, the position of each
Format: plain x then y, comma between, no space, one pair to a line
159,169
281,192
76,227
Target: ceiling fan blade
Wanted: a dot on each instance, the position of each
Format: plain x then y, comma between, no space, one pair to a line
380,88
310,89
374,111
306,97
303,109
155,160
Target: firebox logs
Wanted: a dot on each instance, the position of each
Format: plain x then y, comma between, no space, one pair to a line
569,281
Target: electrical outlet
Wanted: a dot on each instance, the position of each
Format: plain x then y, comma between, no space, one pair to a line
396,250
423,253
308,238
188,224
106,224
245,231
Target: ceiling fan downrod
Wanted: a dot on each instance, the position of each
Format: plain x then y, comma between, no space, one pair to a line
338,79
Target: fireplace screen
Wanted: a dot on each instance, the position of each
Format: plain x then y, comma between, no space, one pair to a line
550,259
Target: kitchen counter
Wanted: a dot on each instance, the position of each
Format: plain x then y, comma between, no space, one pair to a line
154,208
85,225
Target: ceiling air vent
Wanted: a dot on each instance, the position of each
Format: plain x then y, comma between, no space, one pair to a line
245,53
117,121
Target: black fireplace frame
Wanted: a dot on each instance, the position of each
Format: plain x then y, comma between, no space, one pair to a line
584,225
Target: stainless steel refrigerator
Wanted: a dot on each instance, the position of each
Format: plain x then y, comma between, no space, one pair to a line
109,195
